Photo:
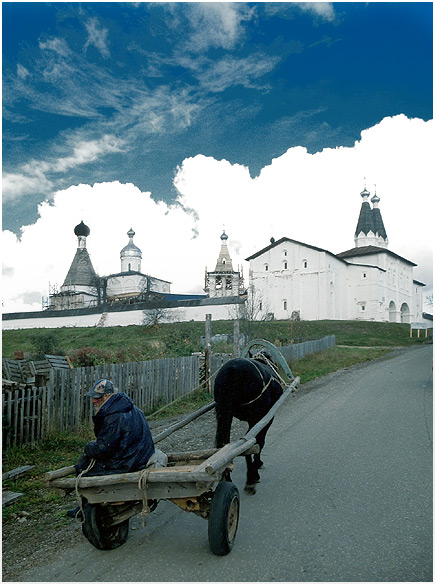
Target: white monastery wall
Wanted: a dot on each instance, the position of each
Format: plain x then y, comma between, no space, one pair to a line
125,318
293,277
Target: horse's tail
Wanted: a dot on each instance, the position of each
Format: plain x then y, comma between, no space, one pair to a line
224,417
224,395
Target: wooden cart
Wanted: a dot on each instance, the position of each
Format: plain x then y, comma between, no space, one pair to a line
198,482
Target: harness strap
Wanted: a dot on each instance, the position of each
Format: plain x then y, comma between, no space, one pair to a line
265,386
142,484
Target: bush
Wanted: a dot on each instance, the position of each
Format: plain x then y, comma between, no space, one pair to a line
91,356
46,344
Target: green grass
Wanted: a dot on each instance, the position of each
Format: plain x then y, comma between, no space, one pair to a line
56,452
324,362
136,343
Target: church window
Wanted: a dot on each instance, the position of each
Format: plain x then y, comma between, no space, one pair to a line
285,252
285,304
224,261
229,284
285,265
129,267
266,267
363,307
260,306
364,275
305,263
218,282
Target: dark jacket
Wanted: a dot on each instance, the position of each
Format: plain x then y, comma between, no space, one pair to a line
123,439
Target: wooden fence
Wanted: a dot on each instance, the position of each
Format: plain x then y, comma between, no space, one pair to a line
30,414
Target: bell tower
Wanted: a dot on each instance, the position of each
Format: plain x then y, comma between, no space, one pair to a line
224,281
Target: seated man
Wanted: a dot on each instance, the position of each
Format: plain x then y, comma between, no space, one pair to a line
123,438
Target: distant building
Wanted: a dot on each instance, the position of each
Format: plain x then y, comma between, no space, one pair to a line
83,288
367,282
224,281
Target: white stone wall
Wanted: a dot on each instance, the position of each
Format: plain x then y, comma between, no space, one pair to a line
293,277
160,286
125,318
134,284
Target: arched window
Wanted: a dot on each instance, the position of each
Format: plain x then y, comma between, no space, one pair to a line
285,265
285,304
304,263
405,313
392,311
266,267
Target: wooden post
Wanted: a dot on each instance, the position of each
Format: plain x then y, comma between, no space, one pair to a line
236,338
207,352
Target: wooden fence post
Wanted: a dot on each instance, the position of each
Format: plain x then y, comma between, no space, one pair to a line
207,352
236,338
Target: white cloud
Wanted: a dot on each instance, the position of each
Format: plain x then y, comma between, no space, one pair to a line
313,198
33,178
323,9
22,72
232,71
97,37
216,24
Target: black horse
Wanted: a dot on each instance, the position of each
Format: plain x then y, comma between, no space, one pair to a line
246,389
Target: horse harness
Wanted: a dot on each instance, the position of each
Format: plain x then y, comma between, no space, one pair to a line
265,385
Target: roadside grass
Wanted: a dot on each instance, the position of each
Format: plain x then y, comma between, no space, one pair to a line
64,449
57,451
324,362
136,343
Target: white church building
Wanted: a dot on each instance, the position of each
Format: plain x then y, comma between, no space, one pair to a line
83,288
367,282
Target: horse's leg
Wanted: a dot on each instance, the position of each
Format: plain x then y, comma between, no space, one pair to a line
252,475
261,438
224,417
254,463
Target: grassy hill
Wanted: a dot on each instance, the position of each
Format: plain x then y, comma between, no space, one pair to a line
94,345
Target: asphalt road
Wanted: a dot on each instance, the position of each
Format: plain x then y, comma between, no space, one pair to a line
346,494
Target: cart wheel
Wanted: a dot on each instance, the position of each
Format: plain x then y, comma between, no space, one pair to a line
224,518
101,536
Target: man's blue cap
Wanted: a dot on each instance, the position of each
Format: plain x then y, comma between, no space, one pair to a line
101,387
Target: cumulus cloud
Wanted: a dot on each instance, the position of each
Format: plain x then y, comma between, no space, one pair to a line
313,198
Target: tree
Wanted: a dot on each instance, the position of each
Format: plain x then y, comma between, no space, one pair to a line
156,316
253,313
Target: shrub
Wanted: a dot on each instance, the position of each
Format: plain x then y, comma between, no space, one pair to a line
91,356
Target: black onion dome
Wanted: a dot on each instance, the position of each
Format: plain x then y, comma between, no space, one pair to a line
224,236
82,230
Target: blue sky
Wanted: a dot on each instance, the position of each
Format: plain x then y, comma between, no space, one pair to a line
131,93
